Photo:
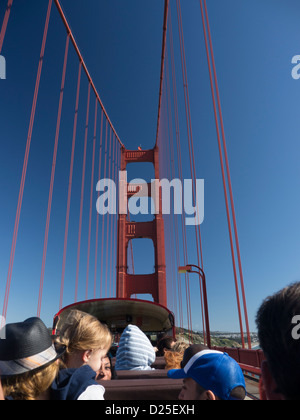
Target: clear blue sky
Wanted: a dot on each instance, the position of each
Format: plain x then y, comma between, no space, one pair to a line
254,42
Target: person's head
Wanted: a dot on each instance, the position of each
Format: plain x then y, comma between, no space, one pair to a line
86,340
192,391
164,344
209,375
107,371
28,360
135,351
173,359
180,347
279,339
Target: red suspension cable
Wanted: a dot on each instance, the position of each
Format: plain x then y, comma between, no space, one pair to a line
5,22
52,176
162,66
97,222
226,162
102,240
67,26
179,161
82,191
108,218
91,202
25,164
112,222
70,189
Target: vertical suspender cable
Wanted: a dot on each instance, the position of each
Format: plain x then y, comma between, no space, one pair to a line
113,177
52,176
67,26
103,224
82,192
97,223
228,175
5,22
25,164
222,165
91,202
190,139
116,220
165,26
108,216
70,189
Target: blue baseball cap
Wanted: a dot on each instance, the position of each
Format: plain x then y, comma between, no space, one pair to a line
213,371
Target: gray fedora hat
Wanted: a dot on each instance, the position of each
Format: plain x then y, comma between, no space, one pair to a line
27,347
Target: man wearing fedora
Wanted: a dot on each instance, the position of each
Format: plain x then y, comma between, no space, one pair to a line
29,366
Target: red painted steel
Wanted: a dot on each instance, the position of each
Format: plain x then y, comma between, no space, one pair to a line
25,164
70,188
131,284
229,180
53,176
97,226
69,31
246,357
163,54
5,22
207,44
82,192
91,202
154,284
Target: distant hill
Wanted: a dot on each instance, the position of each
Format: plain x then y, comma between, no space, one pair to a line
220,339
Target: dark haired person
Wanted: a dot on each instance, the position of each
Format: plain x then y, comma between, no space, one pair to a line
107,371
164,344
278,331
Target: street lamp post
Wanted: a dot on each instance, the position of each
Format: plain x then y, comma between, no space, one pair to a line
200,272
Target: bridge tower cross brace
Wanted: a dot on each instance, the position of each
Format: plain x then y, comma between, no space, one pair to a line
155,283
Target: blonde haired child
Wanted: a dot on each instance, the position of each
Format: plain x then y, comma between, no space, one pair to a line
86,342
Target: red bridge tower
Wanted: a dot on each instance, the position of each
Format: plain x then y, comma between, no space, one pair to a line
129,284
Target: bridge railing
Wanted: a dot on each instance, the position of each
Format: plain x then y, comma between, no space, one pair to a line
249,360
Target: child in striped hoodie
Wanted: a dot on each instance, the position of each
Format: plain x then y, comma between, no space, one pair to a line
135,351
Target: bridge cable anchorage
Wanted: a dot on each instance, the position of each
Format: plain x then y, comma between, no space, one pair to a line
218,109
77,50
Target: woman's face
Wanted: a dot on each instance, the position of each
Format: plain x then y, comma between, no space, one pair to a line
104,373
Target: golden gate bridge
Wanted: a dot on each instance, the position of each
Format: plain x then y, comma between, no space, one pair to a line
114,233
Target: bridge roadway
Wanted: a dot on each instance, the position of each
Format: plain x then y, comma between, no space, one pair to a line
252,386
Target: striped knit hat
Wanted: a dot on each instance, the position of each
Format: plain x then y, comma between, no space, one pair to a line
135,351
